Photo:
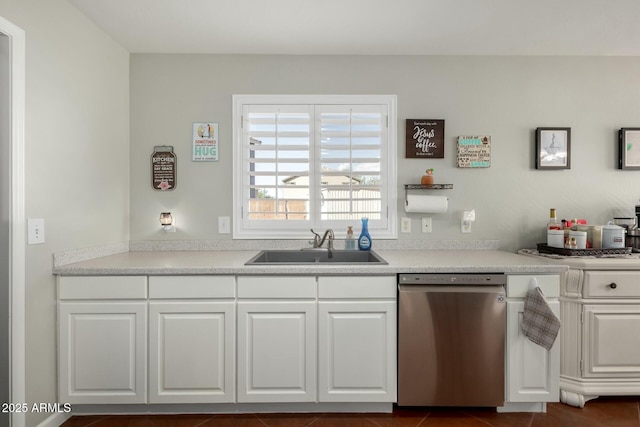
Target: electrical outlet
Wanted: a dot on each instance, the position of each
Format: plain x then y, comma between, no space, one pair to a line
468,217
426,225
224,225
35,231
405,225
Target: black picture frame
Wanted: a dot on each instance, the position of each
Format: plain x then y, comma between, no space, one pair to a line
553,148
629,148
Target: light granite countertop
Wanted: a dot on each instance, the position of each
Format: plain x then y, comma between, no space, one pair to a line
233,262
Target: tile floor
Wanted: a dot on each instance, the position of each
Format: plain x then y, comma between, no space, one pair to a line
602,412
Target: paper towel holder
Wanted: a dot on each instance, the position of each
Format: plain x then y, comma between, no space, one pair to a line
408,187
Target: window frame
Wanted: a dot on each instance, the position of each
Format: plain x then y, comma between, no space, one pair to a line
247,230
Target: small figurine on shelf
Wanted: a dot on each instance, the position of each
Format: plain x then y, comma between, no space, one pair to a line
428,178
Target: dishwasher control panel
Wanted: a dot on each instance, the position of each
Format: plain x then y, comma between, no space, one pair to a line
452,279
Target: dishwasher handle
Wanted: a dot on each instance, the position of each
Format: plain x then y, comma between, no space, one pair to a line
496,289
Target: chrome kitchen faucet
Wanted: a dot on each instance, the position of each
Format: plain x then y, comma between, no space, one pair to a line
319,241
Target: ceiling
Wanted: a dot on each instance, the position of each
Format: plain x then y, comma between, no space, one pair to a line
372,27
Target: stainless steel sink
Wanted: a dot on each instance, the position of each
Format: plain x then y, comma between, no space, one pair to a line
275,257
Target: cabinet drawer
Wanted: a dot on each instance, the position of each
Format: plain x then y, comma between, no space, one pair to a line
281,287
598,284
357,287
103,287
517,286
191,287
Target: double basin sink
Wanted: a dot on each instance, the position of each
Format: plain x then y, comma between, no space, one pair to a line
298,257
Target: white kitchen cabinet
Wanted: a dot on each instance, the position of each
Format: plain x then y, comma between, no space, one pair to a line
191,339
357,339
102,339
601,315
277,336
228,339
533,372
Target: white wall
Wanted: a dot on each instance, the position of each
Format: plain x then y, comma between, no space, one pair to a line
77,161
504,97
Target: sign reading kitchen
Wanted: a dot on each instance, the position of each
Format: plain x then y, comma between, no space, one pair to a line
163,168
425,139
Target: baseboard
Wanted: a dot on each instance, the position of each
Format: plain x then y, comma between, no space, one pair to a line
522,407
229,408
55,420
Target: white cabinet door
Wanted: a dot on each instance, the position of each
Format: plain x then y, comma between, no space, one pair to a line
103,352
277,351
357,351
611,345
533,373
191,352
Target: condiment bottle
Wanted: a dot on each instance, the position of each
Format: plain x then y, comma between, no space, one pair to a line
350,242
364,241
553,223
567,230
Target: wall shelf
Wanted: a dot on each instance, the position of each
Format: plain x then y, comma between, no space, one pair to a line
428,187
408,187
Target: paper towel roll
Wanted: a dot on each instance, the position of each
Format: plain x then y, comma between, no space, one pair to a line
426,204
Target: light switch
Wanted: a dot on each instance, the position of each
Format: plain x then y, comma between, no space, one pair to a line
224,225
405,225
35,231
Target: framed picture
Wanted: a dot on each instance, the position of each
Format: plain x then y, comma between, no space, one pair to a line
205,142
425,139
629,148
474,151
553,148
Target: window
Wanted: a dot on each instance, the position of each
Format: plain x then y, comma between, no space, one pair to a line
303,162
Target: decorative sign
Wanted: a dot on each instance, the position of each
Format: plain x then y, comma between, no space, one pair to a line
163,168
474,151
205,142
425,139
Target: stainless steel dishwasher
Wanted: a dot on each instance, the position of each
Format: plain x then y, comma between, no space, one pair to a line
451,339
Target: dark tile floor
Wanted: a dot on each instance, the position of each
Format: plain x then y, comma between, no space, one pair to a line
602,412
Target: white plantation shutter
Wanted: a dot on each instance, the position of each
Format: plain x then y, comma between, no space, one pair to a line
314,164
350,158
277,145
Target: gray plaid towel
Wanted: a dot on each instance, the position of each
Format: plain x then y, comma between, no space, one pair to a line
539,323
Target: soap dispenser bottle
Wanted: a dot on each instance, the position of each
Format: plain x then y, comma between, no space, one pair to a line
364,241
350,242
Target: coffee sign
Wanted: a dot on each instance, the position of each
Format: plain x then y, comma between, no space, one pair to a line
474,151
425,139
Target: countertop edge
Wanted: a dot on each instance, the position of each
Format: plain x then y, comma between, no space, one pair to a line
232,263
